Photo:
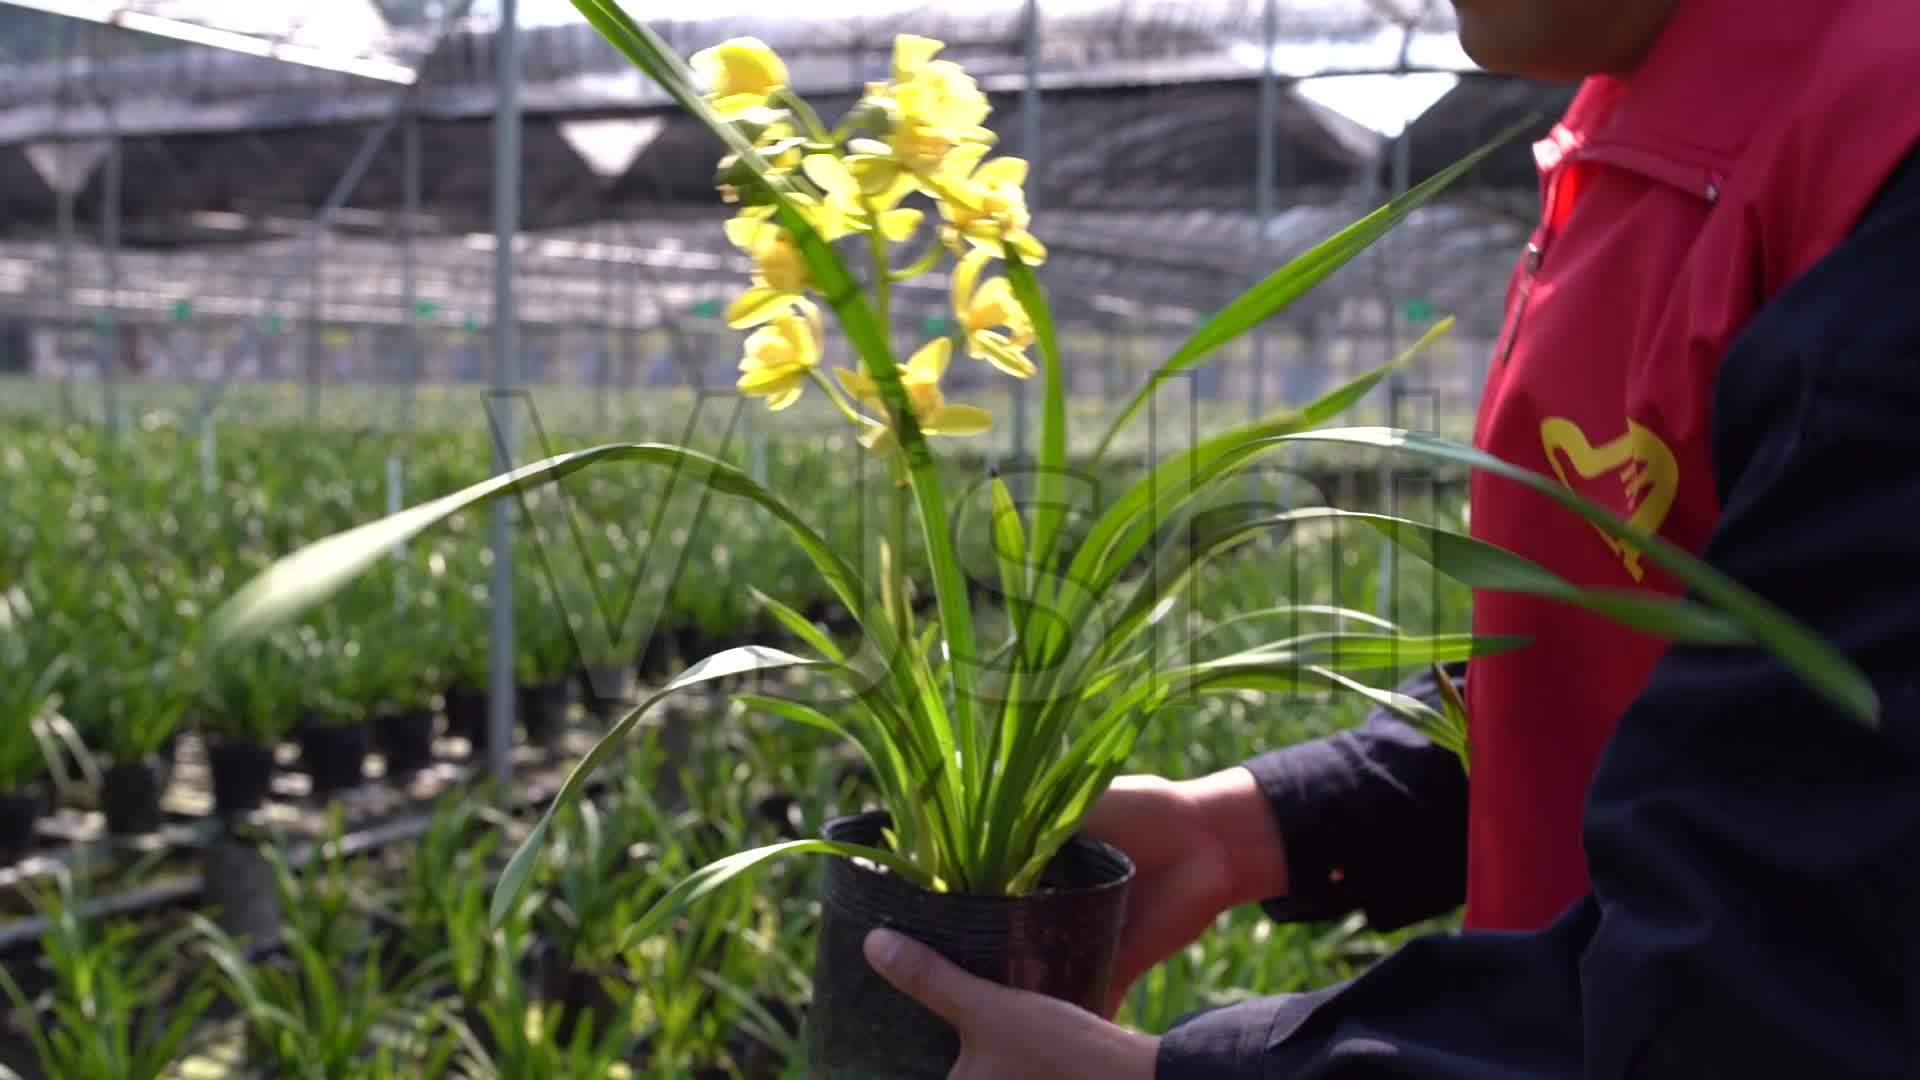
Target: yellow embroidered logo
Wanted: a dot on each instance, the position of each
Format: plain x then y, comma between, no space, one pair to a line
1644,463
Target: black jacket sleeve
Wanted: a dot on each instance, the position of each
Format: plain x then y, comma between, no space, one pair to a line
1755,855
1373,819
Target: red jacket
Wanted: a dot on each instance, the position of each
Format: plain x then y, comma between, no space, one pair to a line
1720,333
1675,205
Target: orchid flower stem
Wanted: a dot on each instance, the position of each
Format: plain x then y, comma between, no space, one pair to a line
837,397
882,269
919,266
899,504
815,129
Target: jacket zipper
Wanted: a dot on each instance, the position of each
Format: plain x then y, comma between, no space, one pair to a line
1703,183
1512,335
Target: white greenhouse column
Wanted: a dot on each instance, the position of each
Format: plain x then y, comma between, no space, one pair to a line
1266,151
112,181
409,261
506,345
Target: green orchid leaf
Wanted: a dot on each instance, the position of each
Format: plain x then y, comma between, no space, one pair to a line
1126,527
1818,663
721,873
1050,486
1298,277
1481,565
801,627
1010,552
297,582
721,665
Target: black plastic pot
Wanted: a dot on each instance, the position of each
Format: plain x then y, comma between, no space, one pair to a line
579,995
335,755
19,810
130,796
467,715
1060,941
406,740
781,811
689,644
242,775
656,659
543,709
239,886
607,689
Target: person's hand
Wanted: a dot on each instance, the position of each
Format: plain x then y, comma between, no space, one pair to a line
1198,847
1010,1034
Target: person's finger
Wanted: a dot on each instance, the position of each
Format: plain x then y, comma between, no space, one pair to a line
926,976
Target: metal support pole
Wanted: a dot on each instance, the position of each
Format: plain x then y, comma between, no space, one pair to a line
506,345
603,351
1110,372
630,337
1030,147
63,328
110,340
316,303
1396,383
1265,152
63,288
409,276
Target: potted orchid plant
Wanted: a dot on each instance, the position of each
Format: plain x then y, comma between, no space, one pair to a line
990,733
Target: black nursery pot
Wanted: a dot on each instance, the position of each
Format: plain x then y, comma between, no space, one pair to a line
656,659
607,689
1060,941
467,714
242,775
130,796
335,756
543,709
19,810
406,740
579,994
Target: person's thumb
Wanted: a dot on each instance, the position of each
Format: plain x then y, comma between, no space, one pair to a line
925,976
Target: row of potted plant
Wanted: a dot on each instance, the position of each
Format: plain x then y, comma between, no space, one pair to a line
394,970
107,652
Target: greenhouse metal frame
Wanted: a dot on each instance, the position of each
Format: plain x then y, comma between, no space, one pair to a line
214,212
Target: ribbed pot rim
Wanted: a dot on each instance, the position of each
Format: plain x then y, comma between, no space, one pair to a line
1113,870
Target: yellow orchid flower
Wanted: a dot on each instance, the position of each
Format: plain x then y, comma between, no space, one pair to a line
842,209
778,143
780,355
741,75
921,379
983,309
780,273
845,206
987,207
934,107
937,93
